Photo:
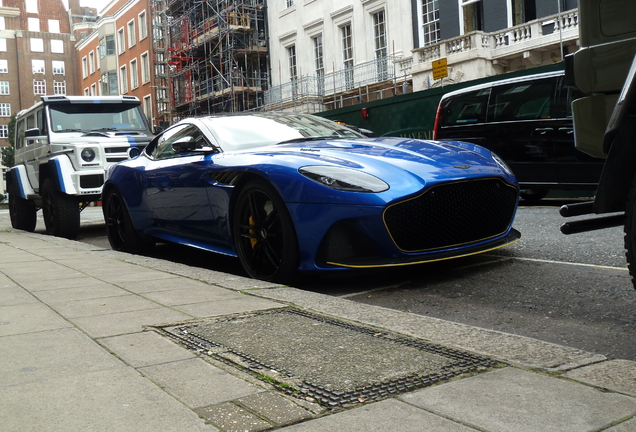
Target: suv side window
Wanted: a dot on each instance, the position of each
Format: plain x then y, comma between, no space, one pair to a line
466,108
19,133
522,101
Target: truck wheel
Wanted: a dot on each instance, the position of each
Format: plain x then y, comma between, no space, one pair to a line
21,211
630,231
61,212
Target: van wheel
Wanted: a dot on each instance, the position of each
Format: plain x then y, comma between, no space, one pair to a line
22,211
61,212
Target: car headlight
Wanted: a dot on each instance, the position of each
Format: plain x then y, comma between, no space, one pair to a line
88,155
501,163
344,179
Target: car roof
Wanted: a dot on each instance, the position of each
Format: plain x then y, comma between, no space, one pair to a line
504,82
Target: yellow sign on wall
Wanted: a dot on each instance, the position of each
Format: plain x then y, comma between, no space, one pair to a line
440,70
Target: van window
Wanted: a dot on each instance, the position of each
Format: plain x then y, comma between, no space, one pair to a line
522,101
466,108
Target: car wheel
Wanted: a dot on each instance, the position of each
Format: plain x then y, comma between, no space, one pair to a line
533,195
61,212
264,234
21,211
119,228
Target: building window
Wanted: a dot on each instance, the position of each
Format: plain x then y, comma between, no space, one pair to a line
523,11
289,3
145,68
134,74
58,67
319,62
33,24
91,62
39,87
291,54
107,46
132,39
86,92
347,55
123,79
430,32
4,87
37,66
148,107
109,83
143,26
57,46
4,66
94,89
54,26
37,45
59,87
4,131
379,37
84,67
473,15
121,40
31,6
5,110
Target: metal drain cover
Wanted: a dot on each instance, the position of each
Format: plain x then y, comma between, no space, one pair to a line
325,360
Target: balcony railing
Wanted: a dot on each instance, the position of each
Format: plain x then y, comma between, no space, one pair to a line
505,42
312,86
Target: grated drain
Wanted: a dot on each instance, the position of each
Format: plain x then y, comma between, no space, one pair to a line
322,359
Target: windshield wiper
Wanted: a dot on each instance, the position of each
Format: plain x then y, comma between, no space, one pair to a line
293,140
69,130
104,129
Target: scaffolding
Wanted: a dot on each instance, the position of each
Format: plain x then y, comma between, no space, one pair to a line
216,57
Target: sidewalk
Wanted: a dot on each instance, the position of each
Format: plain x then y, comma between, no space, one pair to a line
77,354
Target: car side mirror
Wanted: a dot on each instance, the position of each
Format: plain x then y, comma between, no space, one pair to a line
157,130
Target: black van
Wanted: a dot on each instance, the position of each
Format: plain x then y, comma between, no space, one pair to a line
527,121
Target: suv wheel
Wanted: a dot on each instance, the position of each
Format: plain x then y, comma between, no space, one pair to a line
21,211
61,212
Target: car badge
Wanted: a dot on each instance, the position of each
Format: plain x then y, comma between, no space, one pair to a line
462,166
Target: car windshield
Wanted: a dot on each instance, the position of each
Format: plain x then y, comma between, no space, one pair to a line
96,117
243,132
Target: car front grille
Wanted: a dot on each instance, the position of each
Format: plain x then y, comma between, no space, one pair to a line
452,214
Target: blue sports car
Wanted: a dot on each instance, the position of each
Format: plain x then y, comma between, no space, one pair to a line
294,192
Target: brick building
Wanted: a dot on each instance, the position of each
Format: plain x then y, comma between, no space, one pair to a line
37,55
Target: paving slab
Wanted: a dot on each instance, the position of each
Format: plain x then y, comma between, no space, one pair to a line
626,426
12,295
193,294
28,318
616,375
227,307
99,326
90,289
233,418
512,399
102,306
145,349
384,416
42,356
70,280
105,401
144,287
198,383
276,408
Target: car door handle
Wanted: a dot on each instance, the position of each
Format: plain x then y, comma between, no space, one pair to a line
544,131
567,130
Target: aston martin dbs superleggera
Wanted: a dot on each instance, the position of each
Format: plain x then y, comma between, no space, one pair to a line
293,192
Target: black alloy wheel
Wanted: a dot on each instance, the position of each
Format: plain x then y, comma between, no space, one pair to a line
119,228
264,234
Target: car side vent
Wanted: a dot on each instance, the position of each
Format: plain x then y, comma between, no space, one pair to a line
225,177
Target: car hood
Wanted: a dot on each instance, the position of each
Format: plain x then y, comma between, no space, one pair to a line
388,157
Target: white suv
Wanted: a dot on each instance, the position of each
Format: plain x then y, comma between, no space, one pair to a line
63,146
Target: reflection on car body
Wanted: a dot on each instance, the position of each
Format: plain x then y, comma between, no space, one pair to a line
293,192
